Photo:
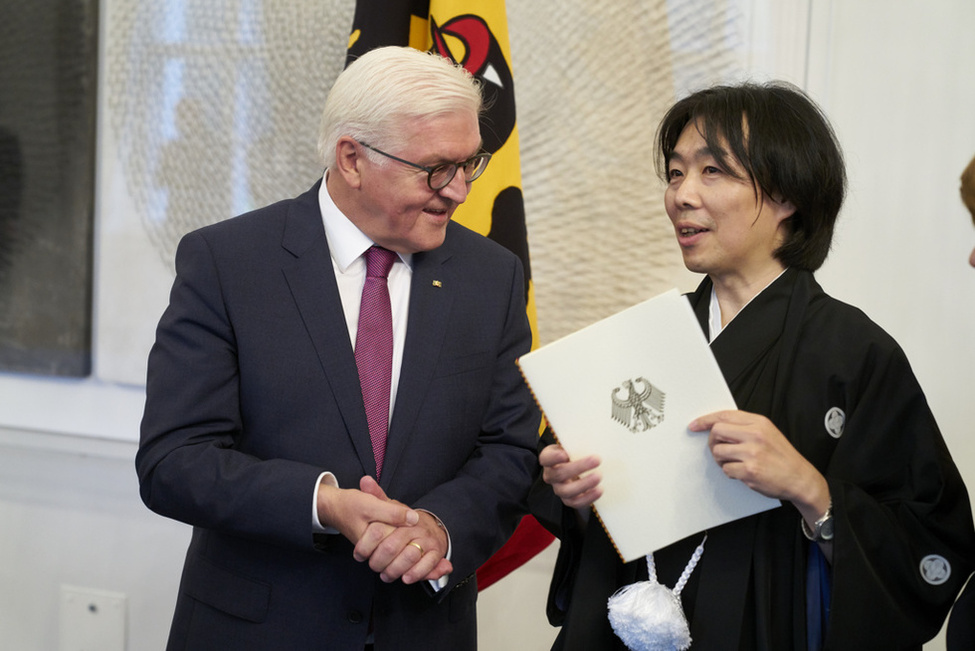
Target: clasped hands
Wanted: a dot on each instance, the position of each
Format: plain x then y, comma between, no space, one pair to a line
397,541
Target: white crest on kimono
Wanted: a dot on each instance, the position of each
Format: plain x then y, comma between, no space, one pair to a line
935,569
835,421
641,408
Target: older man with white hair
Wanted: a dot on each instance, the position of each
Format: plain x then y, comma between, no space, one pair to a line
332,398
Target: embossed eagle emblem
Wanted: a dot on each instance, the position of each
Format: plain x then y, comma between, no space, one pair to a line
642,408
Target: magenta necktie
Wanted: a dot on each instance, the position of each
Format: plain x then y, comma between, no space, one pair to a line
374,348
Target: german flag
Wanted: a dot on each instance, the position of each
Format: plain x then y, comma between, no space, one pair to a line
474,34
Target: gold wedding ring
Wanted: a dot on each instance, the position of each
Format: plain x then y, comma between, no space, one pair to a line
417,545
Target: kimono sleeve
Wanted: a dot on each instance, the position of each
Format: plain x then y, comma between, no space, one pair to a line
904,537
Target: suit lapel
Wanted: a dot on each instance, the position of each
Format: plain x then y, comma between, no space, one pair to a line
312,282
431,296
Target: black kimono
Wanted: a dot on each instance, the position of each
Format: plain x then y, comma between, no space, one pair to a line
904,540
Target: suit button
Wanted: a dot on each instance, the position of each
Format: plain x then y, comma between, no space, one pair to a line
355,617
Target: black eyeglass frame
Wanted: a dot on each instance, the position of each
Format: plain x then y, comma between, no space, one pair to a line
478,171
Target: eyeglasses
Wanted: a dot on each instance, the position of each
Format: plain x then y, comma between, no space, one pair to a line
440,176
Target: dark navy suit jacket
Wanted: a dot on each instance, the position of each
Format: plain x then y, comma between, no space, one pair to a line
252,392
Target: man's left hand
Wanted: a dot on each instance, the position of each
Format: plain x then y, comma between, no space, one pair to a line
412,553
751,449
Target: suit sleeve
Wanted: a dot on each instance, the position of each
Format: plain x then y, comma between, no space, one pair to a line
188,463
483,502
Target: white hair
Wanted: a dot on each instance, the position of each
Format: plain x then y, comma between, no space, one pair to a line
387,86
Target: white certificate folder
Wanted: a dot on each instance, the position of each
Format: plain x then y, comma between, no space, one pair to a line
625,389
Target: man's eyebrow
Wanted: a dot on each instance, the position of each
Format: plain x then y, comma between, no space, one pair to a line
698,154
444,161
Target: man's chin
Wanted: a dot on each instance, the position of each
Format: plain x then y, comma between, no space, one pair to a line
694,266
432,238
437,242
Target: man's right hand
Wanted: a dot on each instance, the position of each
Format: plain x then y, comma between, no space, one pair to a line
351,511
389,523
572,481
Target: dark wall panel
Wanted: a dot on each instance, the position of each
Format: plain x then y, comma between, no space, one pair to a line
48,66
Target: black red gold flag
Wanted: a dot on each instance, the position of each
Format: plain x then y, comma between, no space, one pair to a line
474,34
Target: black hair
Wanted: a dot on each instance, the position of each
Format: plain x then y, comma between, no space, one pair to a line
786,146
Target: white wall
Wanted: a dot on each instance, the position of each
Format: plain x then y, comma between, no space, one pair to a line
895,78
891,74
70,515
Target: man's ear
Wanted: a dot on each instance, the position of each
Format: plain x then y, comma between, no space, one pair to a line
783,209
347,161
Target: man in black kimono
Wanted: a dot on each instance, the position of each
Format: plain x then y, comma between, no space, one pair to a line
874,537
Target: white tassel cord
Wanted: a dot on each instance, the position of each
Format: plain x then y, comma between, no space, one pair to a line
648,616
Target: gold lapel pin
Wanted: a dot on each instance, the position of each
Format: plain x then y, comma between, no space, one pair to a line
437,283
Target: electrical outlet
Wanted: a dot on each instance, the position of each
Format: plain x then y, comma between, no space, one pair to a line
92,620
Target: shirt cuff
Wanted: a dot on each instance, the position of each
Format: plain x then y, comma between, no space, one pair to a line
316,524
441,583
